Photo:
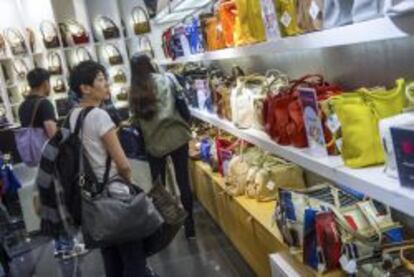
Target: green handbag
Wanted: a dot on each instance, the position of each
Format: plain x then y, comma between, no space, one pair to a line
359,114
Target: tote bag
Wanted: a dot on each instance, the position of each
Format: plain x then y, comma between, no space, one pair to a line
30,140
249,27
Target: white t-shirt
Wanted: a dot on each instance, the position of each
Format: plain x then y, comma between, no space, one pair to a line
97,123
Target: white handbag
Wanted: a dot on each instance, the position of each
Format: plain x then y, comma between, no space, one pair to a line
247,102
397,7
363,10
386,139
337,13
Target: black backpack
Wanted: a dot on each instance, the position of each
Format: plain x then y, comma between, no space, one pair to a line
67,168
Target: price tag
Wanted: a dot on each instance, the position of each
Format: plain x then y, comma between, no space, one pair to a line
349,266
286,19
314,10
339,143
271,185
333,123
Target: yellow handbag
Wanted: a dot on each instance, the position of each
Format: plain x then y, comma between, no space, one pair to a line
249,27
359,114
287,17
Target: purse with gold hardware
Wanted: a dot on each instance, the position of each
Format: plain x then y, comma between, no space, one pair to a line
59,86
73,33
49,34
107,27
113,54
120,77
16,41
141,21
20,68
122,95
54,63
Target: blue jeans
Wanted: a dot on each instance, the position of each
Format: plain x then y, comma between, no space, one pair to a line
126,260
64,243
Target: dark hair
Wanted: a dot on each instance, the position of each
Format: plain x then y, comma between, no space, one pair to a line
85,74
37,76
142,99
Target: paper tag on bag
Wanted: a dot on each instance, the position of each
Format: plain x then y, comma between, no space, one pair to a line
314,10
271,185
349,266
286,19
333,123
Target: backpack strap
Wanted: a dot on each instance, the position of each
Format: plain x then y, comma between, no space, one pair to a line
81,119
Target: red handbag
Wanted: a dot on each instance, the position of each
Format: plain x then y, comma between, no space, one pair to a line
166,43
225,149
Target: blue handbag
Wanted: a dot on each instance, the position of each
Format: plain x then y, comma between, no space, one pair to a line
194,36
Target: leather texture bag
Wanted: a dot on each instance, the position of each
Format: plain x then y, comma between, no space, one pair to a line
120,77
113,54
310,15
20,68
54,63
287,18
50,34
167,43
83,54
247,102
337,13
106,27
73,33
30,140
122,95
225,148
398,7
359,114
140,19
59,86
228,13
363,10
249,27
16,41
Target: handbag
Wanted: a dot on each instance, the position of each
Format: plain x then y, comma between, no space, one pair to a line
120,77
16,41
30,140
180,100
167,43
249,27
132,141
54,63
270,19
228,13
398,7
337,13
363,10
247,101
214,37
140,19
107,27
287,18
310,15
113,54
82,54
145,46
359,114
73,33
110,209
20,68
63,107
49,34
203,95
195,36
59,86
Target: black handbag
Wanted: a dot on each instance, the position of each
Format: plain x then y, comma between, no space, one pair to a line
180,101
107,27
49,34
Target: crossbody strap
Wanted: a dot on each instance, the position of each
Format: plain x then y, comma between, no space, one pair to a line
35,110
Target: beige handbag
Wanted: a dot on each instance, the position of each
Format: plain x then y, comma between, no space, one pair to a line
310,15
277,173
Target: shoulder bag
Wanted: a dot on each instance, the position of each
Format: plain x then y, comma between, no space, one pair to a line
113,54
31,39
120,77
73,33
54,63
228,13
81,54
20,68
59,86
249,27
49,34
107,27
30,140
16,41
140,20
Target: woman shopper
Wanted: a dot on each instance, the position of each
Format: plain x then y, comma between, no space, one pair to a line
89,81
166,133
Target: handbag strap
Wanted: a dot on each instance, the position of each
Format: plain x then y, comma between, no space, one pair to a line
113,47
9,31
79,50
22,63
50,23
409,265
304,80
35,110
136,10
51,59
103,18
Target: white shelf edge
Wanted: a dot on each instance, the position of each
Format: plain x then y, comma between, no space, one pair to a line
369,31
370,181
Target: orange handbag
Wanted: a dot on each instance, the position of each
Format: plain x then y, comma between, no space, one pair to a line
214,34
228,13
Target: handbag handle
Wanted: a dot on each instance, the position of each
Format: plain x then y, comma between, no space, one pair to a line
82,29
52,57
145,39
135,11
50,24
101,19
113,47
82,50
297,83
11,31
23,64
405,262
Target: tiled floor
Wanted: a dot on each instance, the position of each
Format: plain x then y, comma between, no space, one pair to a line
211,254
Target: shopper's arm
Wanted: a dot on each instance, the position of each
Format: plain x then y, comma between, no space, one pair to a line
50,127
114,148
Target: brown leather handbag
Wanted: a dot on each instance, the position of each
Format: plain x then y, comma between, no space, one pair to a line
54,63
120,77
16,41
113,54
140,20
49,34
107,27
122,95
59,86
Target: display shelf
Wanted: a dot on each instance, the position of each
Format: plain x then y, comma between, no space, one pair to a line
371,181
373,30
